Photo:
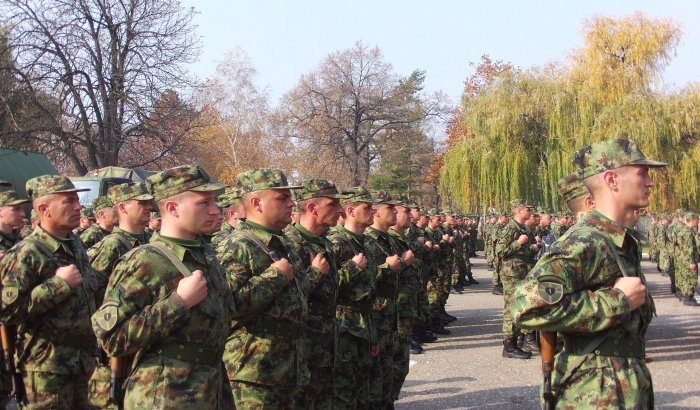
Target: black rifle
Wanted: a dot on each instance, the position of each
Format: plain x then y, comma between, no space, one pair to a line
8,334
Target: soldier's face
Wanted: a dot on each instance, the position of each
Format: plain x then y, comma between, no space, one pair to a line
386,214
197,213
85,223
403,217
12,215
138,212
64,210
328,210
108,217
276,206
154,224
545,220
415,214
634,187
363,213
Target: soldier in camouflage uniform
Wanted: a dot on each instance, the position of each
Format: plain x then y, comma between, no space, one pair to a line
687,259
87,219
672,248
106,217
357,340
516,250
662,242
501,222
590,288
153,225
233,210
488,247
435,288
383,249
265,355
168,303
49,291
423,251
457,268
319,208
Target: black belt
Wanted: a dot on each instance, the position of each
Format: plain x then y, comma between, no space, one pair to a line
187,353
386,292
62,338
610,346
360,307
264,326
318,308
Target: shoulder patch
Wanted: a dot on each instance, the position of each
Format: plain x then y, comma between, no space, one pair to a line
107,318
550,288
9,294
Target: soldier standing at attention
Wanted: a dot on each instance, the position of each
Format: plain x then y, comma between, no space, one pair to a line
49,291
501,222
516,249
233,210
357,341
441,247
87,219
590,287
106,217
265,354
153,225
168,303
319,208
687,260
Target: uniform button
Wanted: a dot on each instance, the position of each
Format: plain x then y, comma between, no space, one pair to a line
182,347
201,350
615,353
597,352
179,357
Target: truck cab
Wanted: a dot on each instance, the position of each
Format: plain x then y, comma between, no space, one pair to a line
98,186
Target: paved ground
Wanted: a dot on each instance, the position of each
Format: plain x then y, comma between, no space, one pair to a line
466,371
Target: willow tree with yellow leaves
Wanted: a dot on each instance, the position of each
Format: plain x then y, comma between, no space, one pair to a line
517,129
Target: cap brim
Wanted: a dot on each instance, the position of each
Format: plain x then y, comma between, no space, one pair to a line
144,197
211,186
18,202
392,202
368,201
66,191
284,187
649,162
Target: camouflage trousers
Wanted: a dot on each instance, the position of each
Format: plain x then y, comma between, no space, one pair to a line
602,382
318,394
664,260
458,271
446,283
686,281
434,296
509,328
402,356
259,397
53,391
382,372
351,385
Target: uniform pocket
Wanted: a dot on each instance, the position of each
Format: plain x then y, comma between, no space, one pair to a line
98,387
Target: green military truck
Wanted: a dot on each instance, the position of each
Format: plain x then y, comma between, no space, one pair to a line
17,167
100,180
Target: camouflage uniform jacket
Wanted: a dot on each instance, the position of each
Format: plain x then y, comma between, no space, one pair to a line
37,300
541,231
103,256
407,300
495,233
516,259
441,257
671,238
225,231
687,248
78,231
321,326
260,357
458,244
92,235
7,241
558,229
380,245
142,314
584,264
355,285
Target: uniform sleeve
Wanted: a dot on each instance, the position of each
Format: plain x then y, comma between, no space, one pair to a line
25,294
590,309
348,271
242,260
147,311
373,251
507,243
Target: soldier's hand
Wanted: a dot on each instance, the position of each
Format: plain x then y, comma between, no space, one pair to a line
537,238
360,260
2,255
429,244
408,257
71,275
446,237
437,246
452,239
192,289
374,350
523,239
286,267
634,291
421,240
692,265
394,262
319,262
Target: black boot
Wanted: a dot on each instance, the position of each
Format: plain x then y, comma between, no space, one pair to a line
490,267
690,301
472,280
456,290
464,282
673,288
511,351
437,327
664,273
449,316
530,344
520,341
420,335
498,290
414,348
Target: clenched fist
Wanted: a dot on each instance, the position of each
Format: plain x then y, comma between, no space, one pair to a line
408,257
634,291
70,274
394,262
192,289
319,262
523,239
286,267
360,260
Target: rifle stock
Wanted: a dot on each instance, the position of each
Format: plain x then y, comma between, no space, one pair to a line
8,335
548,341
118,370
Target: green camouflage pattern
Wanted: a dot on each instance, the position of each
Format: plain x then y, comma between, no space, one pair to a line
100,203
358,194
231,197
686,254
582,261
611,154
263,358
384,197
317,188
92,235
87,213
141,310
519,203
8,240
9,198
571,187
50,184
125,192
221,234
155,215
105,253
263,178
180,179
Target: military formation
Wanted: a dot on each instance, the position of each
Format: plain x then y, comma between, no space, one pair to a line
183,293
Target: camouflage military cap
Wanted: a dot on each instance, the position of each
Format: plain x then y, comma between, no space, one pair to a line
231,197
35,215
679,212
318,188
180,179
125,192
407,202
384,197
691,215
50,184
5,183
571,187
263,178
519,203
9,198
447,212
358,194
433,212
87,213
155,215
611,154
100,203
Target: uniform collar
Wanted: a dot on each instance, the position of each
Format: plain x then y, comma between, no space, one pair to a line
308,236
178,246
263,233
610,228
53,242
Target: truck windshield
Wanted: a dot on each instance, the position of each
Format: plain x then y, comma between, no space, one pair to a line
86,197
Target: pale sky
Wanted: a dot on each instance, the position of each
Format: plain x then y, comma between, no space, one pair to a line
288,38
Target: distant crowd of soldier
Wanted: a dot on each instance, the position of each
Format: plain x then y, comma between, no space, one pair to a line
269,295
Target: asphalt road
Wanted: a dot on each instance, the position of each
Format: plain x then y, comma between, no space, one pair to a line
465,370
